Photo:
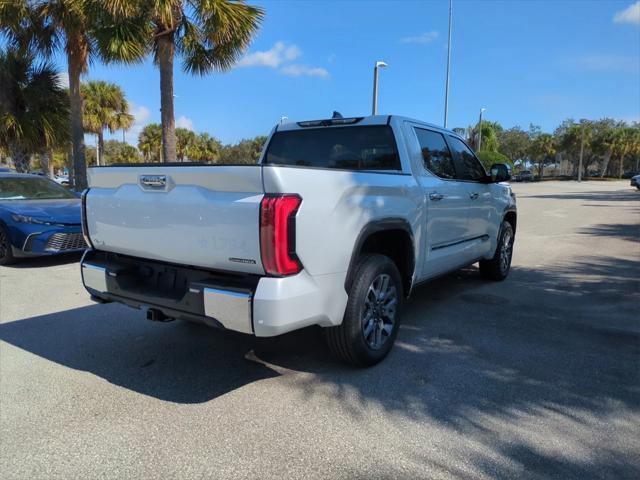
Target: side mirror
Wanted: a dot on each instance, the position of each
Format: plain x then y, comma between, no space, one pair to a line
500,172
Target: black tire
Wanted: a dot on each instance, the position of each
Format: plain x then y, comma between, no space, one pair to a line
6,254
380,317
498,267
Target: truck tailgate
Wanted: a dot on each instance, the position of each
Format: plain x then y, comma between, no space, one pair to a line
205,216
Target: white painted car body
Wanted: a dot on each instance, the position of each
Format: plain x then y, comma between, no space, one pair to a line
207,218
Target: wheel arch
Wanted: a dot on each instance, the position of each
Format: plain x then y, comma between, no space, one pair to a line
511,216
379,236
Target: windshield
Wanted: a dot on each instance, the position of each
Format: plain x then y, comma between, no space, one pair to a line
353,148
36,188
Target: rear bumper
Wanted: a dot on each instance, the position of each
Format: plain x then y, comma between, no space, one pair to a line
263,306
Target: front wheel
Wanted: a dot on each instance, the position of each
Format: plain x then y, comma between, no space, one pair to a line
498,267
372,316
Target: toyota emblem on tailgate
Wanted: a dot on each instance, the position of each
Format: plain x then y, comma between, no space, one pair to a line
154,181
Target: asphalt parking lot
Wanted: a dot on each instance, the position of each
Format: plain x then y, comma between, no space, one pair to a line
535,377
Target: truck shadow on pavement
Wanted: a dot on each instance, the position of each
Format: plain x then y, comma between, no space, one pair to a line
176,361
554,350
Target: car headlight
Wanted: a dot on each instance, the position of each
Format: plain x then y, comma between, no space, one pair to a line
28,219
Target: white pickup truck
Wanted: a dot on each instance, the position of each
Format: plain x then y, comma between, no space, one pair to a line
335,226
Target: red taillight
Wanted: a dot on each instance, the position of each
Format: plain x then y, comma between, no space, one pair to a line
277,234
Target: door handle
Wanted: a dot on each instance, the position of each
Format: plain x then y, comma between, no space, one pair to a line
473,196
435,196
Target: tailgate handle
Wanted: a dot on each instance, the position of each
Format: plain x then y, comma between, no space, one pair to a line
153,181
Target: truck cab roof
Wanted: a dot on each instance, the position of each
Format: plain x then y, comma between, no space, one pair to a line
361,121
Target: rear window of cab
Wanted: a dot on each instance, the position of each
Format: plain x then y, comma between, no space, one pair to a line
348,148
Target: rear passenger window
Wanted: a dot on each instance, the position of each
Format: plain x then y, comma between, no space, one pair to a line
435,153
467,165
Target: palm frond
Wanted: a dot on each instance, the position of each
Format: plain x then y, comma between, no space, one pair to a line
35,109
217,35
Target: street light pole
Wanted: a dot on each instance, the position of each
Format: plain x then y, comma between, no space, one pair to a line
480,129
581,154
379,64
97,151
446,87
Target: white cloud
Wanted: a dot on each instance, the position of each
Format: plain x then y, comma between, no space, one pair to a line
274,57
426,37
141,115
296,70
280,57
631,14
63,79
184,122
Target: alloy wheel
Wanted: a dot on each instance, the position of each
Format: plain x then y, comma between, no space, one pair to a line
379,313
506,250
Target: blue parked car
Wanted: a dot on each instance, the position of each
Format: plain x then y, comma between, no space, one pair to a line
37,217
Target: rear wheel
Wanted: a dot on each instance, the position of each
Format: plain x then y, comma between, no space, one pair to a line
498,267
6,255
372,316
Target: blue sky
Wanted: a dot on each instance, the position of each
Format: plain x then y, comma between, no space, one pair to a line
538,61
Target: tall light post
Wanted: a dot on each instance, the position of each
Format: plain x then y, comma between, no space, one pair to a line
581,153
379,64
446,86
480,129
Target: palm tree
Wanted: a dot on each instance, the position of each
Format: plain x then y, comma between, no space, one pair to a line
607,138
209,35
34,108
185,138
204,148
81,29
542,148
104,106
629,145
150,142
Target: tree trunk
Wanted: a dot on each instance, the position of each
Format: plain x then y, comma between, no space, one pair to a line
20,157
605,164
44,162
165,60
50,164
621,172
76,60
